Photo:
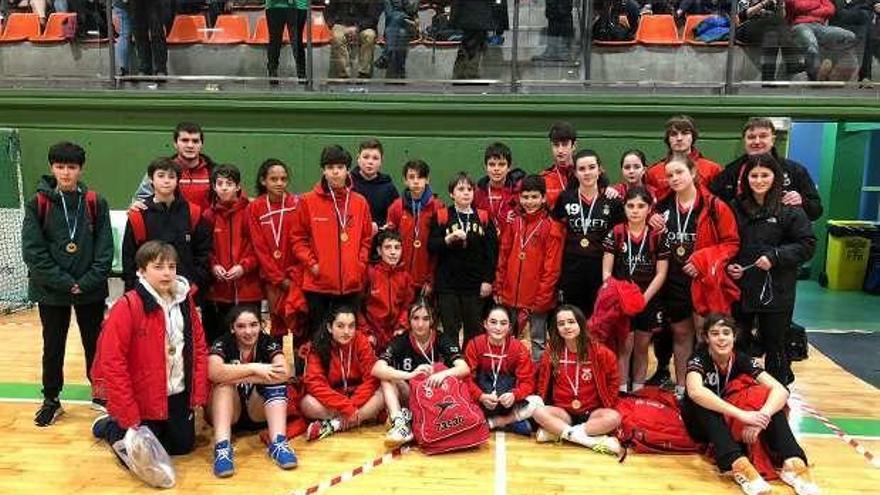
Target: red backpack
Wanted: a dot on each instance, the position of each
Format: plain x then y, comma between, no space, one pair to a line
44,205
445,418
139,227
652,424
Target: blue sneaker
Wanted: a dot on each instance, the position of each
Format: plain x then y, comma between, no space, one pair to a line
281,453
100,426
520,428
223,465
495,40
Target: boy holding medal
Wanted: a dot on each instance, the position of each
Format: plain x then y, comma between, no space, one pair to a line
67,246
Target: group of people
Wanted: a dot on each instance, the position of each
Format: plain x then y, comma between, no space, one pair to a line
822,33
377,286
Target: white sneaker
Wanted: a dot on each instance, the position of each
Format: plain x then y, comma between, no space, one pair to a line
533,402
798,477
606,444
544,436
399,433
748,478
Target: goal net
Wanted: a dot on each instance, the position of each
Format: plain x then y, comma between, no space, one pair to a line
13,274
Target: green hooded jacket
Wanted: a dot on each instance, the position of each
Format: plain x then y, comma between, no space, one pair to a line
52,271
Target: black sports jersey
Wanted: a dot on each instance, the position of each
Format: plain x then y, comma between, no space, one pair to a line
403,353
635,259
587,241
227,349
713,379
682,237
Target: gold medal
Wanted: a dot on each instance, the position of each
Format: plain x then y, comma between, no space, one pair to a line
277,254
576,404
417,243
522,255
171,350
585,243
71,247
680,251
343,237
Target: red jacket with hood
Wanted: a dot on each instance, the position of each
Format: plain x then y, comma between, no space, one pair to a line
419,262
318,240
129,369
195,183
515,361
500,202
327,386
716,244
805,11
530,282
616,303
232,246
556,179
603,363
388,296
707,170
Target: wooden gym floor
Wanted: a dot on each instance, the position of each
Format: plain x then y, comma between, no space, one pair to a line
65,459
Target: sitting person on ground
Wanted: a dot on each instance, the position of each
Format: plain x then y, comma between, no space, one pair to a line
352,23
822,43
249,373
707,415
340,391
502,375
421,351
578,380
151,363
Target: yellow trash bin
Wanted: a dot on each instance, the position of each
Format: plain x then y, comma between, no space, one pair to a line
849,246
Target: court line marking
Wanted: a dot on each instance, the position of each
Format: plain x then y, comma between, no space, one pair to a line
500,463
869,438
366,467
839,432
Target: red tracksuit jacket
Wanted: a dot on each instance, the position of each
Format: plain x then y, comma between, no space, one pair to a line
262,214
706,171
501,203
388,296
328,387
318,239
195,183
716,244
232,246
129,369
603,365
556,179
530,281
419,262
516,361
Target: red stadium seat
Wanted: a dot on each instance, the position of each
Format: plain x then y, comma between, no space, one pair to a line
230,30
20,27
658,30
55,28
321,34
188,29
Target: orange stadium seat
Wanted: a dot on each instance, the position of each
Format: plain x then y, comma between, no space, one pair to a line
658,30
188,29
55,28
230,30
261,33
690,23
20,27
321,34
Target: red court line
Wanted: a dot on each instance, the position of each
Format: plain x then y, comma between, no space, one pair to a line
362,469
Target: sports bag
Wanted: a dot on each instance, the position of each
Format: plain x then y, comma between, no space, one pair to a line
653,426
445,418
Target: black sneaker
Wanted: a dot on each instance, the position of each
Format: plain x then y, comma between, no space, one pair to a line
99,405
48,412
659,377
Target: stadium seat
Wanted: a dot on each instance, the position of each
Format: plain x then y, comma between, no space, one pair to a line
690,23
230,30
658,30
614,43
321,34
188,29
261,33
20,27
55,28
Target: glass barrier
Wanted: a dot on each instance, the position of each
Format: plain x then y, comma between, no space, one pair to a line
51,42
439,45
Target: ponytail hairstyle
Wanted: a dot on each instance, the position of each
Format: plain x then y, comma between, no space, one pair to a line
422,303
557,344
322,342
263,171
602,182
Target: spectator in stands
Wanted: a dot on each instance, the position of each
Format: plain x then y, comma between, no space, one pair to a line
149,35
616,20
821,42
401,26
352,22
762,23
474,19
213,8
858,16
501,23
701,7
560,31
122,13
293,14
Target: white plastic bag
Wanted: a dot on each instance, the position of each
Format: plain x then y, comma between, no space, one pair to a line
146,458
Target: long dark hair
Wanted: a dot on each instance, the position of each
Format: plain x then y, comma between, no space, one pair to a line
263,171
557,344
773,200
601,182
322,341
239,310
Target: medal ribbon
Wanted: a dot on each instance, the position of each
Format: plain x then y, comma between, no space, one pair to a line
341,218
589,215
524,240
630,261
346,366
71,232
496,370
422,350
577,374
276,231
726,378
683,229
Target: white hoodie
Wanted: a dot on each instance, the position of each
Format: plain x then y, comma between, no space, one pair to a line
174,326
